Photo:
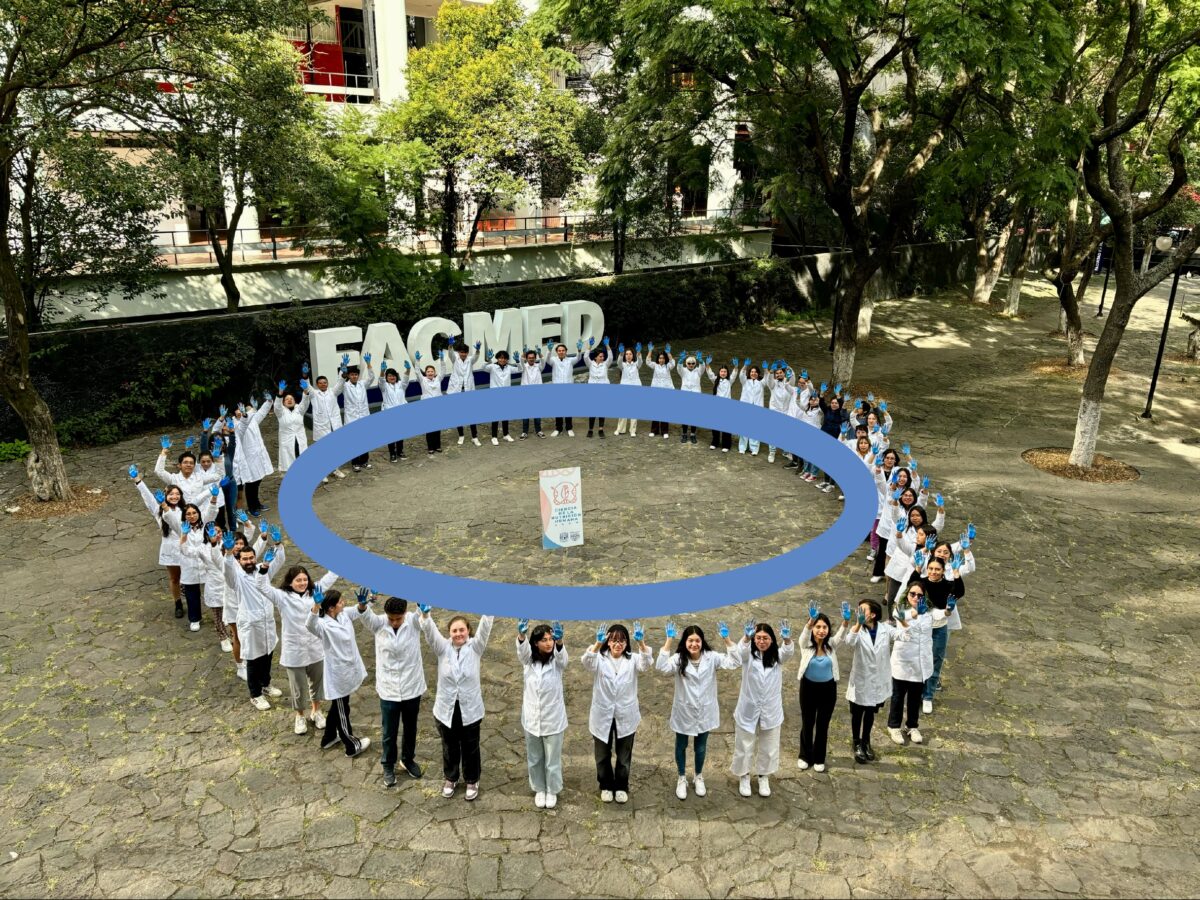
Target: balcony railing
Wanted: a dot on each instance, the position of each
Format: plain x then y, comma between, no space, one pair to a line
338,86
268,244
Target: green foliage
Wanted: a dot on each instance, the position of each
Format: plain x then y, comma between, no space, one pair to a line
11,450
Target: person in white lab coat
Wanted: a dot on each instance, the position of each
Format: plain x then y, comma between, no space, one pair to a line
300,653
326,413
781,386
759,711
750,378
392,389
329,620
661,365
399,682
869,684
690,374
631,361
292,438
458,707
543,659
190,479
191,573
462,360
167,509
531,373
256,619
207,556
722,381
818,677
355,404
232,544
430,382
251,462
598,363
615,713
500,375
562,371
694,709
912,664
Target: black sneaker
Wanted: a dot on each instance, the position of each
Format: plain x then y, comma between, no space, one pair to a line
523,436
179,609
540,434
401,455
389,776
601,434
792,465
392,457
693,439
589,432
414,770
868,751
860,755
683,439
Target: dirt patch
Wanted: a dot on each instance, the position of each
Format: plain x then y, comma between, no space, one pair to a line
1104,469
87,499
1182,358
1058,368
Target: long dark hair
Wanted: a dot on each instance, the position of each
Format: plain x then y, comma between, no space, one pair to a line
618,629
681,650
771,657
717,382
535,637
290,576
166,529
812,638
199,516
330,601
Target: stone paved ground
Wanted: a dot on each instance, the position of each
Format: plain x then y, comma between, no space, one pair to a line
1061,759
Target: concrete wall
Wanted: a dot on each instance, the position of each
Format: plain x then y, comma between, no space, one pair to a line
272,284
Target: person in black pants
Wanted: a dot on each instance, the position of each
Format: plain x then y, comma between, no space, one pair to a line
400,683
460,750
818,689
912,663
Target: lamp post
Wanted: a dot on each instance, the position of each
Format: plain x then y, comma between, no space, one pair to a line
1162,243
1104,290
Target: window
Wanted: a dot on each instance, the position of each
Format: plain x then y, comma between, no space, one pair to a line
198,222
420,33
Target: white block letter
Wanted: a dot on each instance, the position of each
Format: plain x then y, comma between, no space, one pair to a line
324,349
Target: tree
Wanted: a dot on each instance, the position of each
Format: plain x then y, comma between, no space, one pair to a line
70,63
232,127
484,101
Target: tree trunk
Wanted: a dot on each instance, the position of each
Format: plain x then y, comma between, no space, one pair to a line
846,321
618,245
1147,252
1024,250
987,271
223,254
462,263
1071,323
449,214
983,265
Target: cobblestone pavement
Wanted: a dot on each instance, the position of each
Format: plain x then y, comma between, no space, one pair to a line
1061,758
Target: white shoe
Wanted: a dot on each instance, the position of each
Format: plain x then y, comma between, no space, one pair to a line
622,797
475,441
325,480
699,783
495,442
339,473
764,786
681,787
271,691
472,792
819,767
551,801
260,703
301,726
539,799
927,706
771,456
606,796
554,433
193,626
801,765
896,735
841,496
448,789
744,785
227,645
665,436
871,556
461,439
570,432
828,489
633,434
363,744
914,735
508,438
875,579
318,720
241,671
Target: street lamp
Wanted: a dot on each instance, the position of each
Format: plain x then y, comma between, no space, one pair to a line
1163,244
1104,290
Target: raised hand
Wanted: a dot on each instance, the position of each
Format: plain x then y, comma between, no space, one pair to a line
223,411
367,358
925,483
215,490
225,482
708,359
304,370
556,631
813,609
895,477
211,530
165,442
417,356
723,629
637,348
824,387
424,608
276,536
407,365
845,611
579,345
206,425
922,607
601,634
160,496
907,451
227,540
263,526
845,428
957,560
671,632
605,341
269,556
216,447
804,374
282,386
930,542
243,516
785,629
870,396
488,355
363,596
938,500
266,396
478,344
912,464
902,522
667,347
639,633
304,384
858,403
345,360
318,595
591,342
970,531
748,629
185,527
133,472
837,389
522,626
919,559
862,618
883,406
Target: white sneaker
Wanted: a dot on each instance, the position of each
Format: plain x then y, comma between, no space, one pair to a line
241,670
260,703
914,735
227,645
801,765
472,791
325,480
764,786
363,744
508,438
448,789
633,434
875,579
828,489
539,799
554,433
927,706
495,442
475,441
744,785
301,726
896,735
551,801
681,787
193,626
339,473
771,456
819,767
318,720
570,432
699,783
622,797
666,437
271,691
606,796
461,439
871,556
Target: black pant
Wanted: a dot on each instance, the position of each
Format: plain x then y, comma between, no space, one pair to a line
337,727
592,423
474,431
191,593
258,674
361,460
722,440
496,425
395,713
862,720
537,425
252,503
880,559
660,428
817,700
396,448
613,778
433,441
902,690
688,429
460,747
559,426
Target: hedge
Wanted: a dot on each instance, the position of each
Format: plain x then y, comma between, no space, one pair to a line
103,384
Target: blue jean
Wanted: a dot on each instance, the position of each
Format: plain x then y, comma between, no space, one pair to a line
743,441
545,762
701,748
811,469
537,425
940,637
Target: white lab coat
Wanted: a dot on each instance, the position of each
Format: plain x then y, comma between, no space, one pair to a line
694,709
501,376
291,430
870,679
752,389
229,613
533,374
432,387
394,394
399,671
169,553
326,413
629,371
195,488
912,654
562,371
210,559
807,652
661,373
689,379
543,710
191,569
783,392
462,370
760,700
298,647
251,462
598,371
255,614
354,399
344,669
215,474
458,672
615,692
724,385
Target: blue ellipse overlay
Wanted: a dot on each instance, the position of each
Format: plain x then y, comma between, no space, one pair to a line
582,602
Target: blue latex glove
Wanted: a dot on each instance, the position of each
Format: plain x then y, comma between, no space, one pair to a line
845,428
160,496
417,356
879,461
488,355
601,634
620,348
318,595
734,362
824,387
938,500
282,386
748,629
845,611
922,607
556,630
424,608
303,384
224,411
345,359
875,430
269,556
217,444
930,542
637,348
862,618
522,626
450,342
605,340
407,365
266,396
263,526
478,344
639,633
367,358
185,527
165,442
708,359
970,531
667,348
870,396
895,477
304,370
906,450
206,424
579,345
813,610
901,524
837,389
227,540
211,530
230,423
957,560
925,483
591,342
804,374
883,406
919,559
362,595
276,536
243,516
723,629
912,464
965,542
896,494
225,482
785,629
671,632
215,490
858,403
133,472
886,429
951,602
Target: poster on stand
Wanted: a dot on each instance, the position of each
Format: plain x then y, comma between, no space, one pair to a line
562,508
